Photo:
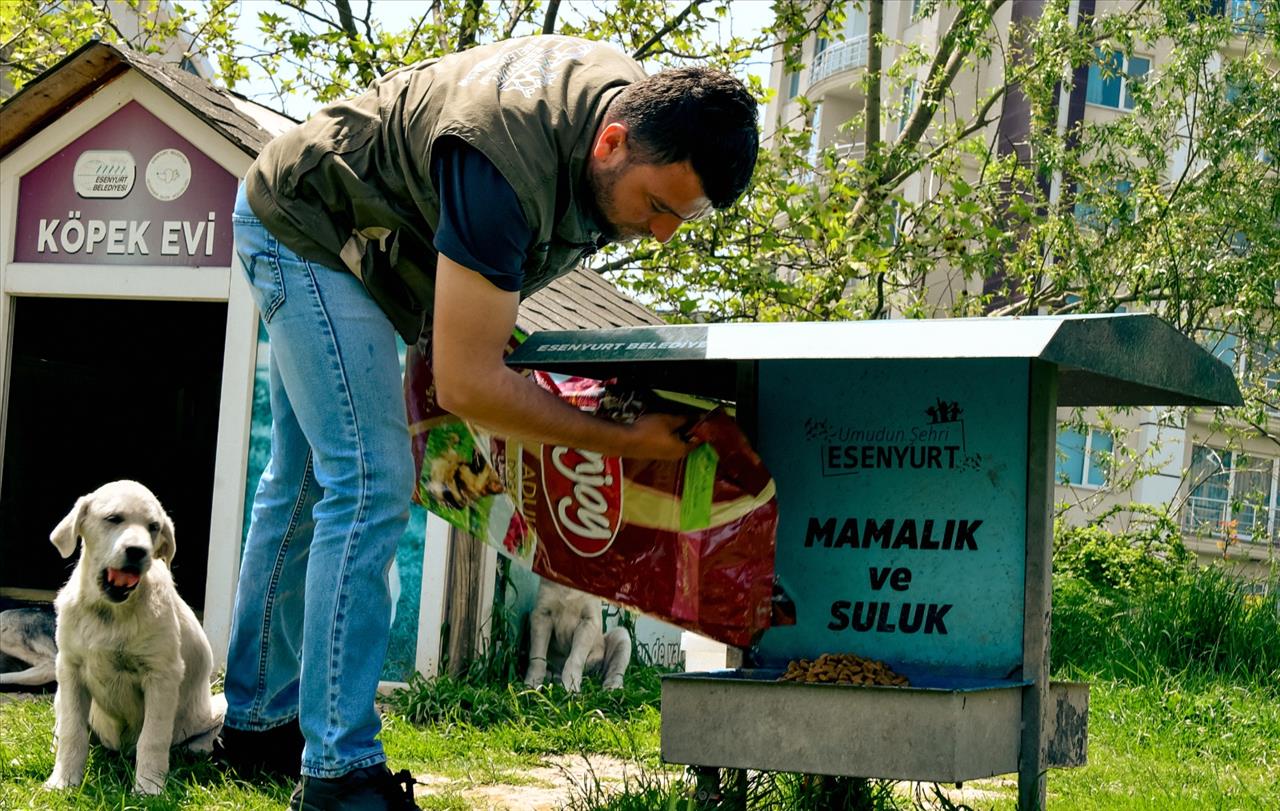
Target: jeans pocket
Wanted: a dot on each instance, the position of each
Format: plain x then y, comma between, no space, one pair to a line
259,254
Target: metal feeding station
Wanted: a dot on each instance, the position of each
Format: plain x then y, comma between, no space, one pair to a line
914,463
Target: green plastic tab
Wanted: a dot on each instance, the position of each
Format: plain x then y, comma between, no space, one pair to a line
699,488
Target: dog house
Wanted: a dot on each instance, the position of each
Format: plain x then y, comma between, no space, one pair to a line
914,466
130,346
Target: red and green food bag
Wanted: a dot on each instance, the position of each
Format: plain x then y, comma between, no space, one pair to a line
690,542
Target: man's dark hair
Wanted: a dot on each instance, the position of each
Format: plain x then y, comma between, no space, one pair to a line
695,114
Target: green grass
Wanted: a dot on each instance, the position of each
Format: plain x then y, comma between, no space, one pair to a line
1182,743
1184,668
1178,744
623,723
26,759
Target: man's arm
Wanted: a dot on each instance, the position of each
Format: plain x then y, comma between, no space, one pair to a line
473,321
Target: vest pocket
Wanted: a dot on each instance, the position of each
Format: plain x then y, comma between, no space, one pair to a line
336,138
395,272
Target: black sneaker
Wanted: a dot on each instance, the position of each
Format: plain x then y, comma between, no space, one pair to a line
373,788
275,752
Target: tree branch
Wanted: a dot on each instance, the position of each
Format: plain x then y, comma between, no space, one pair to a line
640,53
413,37
518,12
875,26
469,26
549,19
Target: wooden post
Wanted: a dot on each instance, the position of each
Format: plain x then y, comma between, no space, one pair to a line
1037,600
463,594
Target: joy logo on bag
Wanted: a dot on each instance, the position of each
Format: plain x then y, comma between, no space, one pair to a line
584,492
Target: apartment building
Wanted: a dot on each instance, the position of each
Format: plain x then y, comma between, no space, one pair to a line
1225,494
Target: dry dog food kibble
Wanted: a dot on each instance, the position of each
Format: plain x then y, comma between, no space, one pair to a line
843,668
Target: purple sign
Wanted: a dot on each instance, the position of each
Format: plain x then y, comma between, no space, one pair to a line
130,191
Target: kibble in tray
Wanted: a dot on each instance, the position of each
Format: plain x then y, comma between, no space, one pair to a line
843,668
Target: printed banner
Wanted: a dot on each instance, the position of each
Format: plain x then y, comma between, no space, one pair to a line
902,510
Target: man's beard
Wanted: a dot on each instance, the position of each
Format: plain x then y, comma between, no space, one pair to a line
602,183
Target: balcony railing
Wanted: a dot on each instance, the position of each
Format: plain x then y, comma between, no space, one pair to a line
1214,518
846,55
844,152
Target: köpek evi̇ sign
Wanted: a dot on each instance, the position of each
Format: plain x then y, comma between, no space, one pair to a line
130,191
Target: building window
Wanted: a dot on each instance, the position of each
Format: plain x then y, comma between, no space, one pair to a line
1224,346
1247,15
1265,363
1084,459
1112,77
793,84
1233,496
915,9
815,135
1086,210
908,104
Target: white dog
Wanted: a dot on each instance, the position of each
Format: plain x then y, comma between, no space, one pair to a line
566,632
133,662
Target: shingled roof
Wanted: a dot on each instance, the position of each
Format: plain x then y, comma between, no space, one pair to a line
581,299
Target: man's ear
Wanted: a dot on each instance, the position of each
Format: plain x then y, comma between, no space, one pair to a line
67,532
167,547
611,142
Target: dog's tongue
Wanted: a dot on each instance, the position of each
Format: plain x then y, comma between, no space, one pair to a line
123,579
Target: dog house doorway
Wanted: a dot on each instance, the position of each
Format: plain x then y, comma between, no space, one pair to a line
105,389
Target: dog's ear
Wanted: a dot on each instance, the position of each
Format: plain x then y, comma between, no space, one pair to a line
166,547
67,532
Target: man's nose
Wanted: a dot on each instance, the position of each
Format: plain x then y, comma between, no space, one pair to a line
664,226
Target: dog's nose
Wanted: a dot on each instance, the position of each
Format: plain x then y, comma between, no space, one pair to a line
135,554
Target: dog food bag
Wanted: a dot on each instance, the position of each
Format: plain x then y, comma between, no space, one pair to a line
690,542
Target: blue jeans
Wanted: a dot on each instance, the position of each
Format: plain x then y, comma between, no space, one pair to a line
310,628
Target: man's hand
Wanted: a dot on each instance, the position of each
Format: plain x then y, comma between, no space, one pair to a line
658,436
472,323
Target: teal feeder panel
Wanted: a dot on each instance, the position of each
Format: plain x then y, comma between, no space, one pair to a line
914,465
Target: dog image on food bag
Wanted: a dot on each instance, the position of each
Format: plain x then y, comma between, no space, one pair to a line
133,663
457,482
26,635
567,639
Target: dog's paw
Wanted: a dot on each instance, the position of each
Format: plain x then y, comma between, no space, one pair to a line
613,683
202,745
534,677
149,784
572,683
57,780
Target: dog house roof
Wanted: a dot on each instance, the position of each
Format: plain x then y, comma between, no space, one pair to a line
580,299
1101,359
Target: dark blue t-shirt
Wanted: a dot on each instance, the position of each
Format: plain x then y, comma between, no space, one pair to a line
482,226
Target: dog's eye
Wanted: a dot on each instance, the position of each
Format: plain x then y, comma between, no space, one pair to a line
153,527
115,518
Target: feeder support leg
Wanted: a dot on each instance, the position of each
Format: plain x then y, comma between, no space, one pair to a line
1037,599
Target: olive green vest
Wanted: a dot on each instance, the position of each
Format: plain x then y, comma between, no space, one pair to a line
352,186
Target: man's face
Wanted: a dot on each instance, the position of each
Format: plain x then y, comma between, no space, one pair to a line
641,199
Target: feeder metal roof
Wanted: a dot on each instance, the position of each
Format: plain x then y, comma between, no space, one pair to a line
1130,359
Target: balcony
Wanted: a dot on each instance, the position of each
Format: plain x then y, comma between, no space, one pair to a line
844,152
836,59
1246,528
